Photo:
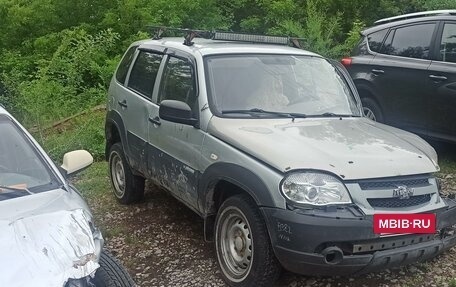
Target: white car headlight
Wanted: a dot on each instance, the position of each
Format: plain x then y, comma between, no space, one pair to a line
315,188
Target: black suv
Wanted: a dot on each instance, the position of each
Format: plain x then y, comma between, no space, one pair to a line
405,70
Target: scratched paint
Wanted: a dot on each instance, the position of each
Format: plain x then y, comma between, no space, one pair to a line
47,249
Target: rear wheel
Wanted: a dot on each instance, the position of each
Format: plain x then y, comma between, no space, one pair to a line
372,110
111,273
242,244
127,187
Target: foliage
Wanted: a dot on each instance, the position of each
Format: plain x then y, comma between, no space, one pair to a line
84,132
74,78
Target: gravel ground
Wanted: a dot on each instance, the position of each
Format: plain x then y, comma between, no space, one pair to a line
160,241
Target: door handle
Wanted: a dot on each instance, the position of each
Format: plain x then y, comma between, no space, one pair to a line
438,78
155,121
123,103
377,72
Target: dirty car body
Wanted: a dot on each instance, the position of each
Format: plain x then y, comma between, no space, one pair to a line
47,237
315,168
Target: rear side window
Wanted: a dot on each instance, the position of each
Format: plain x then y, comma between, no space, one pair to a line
144,72
410,41
376,39
448,43
361,48
178,82
122,70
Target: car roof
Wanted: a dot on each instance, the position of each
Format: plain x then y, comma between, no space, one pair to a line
388,25
214,47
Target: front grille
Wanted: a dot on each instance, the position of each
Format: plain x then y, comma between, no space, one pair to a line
388,184
394,202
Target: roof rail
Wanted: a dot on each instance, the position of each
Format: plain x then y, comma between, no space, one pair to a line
415,15
190,34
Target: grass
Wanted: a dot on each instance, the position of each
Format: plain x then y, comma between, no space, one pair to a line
94,182
85,132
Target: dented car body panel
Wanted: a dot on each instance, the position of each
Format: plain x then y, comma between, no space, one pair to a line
47,236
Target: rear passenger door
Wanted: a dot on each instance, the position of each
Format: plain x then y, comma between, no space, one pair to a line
136,103
442,83
176,148
399,73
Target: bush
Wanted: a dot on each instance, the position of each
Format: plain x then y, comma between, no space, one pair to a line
83,132
75,78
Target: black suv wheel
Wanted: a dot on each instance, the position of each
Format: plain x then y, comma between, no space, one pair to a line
127,187
371,110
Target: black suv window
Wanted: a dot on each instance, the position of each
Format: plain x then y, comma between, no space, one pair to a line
144,72
376,39
122,70
178,82
410,41
448,43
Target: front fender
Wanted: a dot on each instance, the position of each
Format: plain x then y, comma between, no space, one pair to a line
234,174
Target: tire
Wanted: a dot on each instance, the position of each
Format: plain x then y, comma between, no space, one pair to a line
372,110
111,273
127,187
242,245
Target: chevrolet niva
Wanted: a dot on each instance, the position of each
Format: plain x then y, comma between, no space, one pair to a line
47,235
267,143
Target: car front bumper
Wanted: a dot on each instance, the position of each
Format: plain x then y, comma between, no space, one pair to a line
302,242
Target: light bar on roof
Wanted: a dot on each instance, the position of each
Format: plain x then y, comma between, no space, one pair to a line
227,36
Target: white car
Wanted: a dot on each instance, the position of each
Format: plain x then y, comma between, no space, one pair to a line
47,236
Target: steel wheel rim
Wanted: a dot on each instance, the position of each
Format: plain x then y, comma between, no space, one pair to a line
235,245
118,175
368,113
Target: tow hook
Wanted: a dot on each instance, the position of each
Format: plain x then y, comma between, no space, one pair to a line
333,255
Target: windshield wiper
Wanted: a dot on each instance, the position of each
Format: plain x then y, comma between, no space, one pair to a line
15,189
261,111
331,115
255,111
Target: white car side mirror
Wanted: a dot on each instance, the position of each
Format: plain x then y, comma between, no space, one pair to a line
75,161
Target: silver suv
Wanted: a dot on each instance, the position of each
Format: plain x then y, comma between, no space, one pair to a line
268,145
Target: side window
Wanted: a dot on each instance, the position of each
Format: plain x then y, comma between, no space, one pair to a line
410,41
122,70
376,39
178,82
448,43
144,72
361,48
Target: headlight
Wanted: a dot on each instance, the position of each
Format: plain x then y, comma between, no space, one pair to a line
314,188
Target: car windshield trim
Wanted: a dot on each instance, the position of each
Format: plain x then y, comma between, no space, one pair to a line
343,94
54,181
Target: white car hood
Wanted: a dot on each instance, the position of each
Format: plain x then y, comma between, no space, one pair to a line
352,148
45,246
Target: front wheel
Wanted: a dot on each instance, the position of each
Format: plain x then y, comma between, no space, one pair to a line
242,244
111,273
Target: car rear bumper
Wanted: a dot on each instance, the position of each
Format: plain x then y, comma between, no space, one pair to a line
313,244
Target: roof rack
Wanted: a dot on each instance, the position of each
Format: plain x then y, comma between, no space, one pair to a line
190,34
415,15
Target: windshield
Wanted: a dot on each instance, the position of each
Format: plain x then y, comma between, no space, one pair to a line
283,84
21,167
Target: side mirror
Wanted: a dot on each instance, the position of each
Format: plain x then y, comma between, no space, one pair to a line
76,161
177,112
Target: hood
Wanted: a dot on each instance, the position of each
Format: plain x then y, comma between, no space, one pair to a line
352,148
45,246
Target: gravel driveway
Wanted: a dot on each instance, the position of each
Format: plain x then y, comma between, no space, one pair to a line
161,242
